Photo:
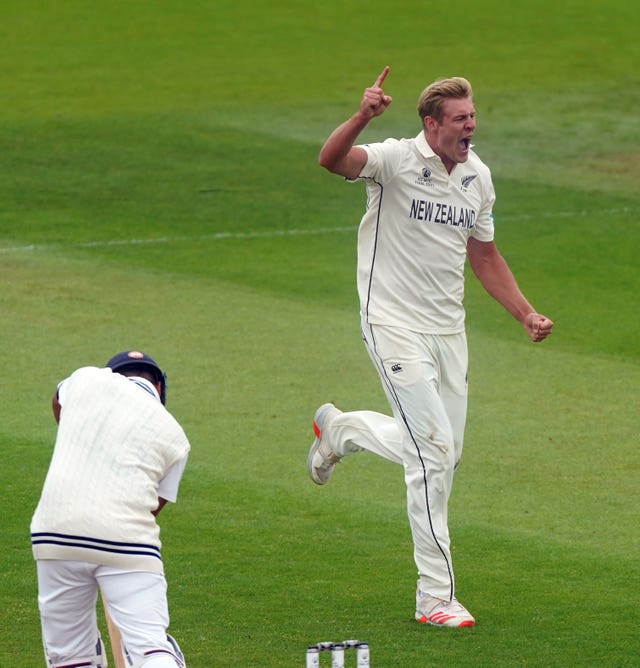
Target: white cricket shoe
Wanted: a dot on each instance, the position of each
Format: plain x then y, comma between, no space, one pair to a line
430,610
322,459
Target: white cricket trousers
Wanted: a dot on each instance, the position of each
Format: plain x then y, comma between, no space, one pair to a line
137,602
425,380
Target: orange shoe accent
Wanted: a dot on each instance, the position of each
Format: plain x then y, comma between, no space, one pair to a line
439,618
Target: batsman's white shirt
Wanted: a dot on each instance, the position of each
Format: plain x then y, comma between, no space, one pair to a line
412,238
115,444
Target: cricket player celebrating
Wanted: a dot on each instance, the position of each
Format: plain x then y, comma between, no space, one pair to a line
118,458
429,208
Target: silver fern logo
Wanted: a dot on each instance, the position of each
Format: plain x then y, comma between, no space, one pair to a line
466,181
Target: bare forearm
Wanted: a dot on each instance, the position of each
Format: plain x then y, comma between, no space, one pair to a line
499,282
503,288
496,278
55,407
335,154
161,504
339,155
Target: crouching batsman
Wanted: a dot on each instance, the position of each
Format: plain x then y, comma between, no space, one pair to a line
118,458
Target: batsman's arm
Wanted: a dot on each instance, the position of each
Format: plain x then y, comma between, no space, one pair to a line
161,504
55,407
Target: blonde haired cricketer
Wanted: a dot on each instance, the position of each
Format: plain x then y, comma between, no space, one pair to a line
429,210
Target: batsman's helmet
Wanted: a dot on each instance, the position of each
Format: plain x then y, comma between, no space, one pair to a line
132,360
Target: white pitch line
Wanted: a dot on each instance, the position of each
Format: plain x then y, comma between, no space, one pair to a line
271,234
217,236
570,214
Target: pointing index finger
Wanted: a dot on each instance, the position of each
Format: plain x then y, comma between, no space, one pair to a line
382,76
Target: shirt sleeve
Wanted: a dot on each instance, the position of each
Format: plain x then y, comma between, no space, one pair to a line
64,385
61,391
483,230
169,484
383,160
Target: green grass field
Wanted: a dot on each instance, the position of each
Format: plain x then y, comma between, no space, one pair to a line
159,189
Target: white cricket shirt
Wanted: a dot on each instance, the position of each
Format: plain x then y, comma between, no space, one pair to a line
413,236
115,444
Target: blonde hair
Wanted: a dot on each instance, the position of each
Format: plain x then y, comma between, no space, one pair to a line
434,95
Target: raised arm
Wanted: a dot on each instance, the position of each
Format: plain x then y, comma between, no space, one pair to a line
339,155
493,272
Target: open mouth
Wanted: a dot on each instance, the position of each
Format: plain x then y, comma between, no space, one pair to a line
465,143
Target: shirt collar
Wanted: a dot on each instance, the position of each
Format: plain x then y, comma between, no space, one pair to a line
427,152
423,146
145,385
